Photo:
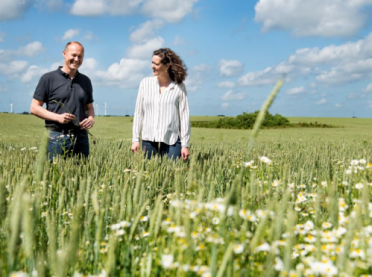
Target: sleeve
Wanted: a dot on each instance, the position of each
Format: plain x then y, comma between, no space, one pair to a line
90,93
138,115
41,91
184,115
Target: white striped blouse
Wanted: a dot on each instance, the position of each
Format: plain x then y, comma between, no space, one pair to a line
162,117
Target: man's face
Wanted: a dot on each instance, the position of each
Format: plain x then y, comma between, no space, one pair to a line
73,55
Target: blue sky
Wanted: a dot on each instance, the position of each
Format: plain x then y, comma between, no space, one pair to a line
235,51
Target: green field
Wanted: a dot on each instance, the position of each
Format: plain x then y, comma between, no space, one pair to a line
28,129
297,204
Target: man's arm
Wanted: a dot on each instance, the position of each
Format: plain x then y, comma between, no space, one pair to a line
38,110
89,121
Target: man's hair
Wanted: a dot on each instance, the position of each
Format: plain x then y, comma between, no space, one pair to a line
74,42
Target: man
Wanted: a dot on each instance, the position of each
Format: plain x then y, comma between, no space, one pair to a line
69,112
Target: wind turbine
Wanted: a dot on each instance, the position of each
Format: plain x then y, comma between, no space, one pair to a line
11,105
105,109
96,110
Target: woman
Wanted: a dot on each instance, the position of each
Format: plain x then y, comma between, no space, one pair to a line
162,111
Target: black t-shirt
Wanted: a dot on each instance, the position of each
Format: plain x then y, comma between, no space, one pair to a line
65,95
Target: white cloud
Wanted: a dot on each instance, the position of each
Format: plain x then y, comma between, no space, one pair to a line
296,90
145,50
230,68
352,61
89,7
233,96
202,67
13,68
344,73
178,41
368,88
30,50
170,10
331,18
194,81
33,73
268,76
225,105
331,65
328,55
51,5
69,34
11,9
331,55
321,101
338,105
126,74
100,7
88,67
90,36
226,84
55,65
54,5
146,31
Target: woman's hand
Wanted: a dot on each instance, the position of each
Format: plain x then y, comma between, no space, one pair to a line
185,153
135,147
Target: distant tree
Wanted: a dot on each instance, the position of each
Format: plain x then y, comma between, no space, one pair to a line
247,120
243,121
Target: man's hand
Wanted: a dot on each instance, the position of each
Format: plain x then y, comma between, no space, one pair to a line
185,153
66,118
87,123
135,147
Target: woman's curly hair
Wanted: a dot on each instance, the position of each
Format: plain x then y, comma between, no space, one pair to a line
177,70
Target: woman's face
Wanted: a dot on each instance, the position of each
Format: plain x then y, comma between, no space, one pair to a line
159,69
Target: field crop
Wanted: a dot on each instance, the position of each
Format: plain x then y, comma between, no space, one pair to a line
297,204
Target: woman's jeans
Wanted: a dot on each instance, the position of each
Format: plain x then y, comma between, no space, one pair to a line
66,143
151,148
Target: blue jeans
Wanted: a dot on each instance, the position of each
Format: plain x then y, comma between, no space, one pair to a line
66,144
151,148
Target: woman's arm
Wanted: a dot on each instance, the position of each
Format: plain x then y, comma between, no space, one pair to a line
185,128
137,120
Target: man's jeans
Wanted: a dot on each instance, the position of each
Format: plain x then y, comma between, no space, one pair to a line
151,148
65,143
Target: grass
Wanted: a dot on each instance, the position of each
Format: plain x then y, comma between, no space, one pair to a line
296,204
28,129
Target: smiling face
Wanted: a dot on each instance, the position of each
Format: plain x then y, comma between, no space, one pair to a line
158,68
73,55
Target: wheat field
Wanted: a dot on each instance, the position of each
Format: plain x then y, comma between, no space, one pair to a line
298,203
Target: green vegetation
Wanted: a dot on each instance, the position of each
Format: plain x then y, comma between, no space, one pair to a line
247,120
243,121
297,204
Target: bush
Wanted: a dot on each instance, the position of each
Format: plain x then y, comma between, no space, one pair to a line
243,121
247,120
